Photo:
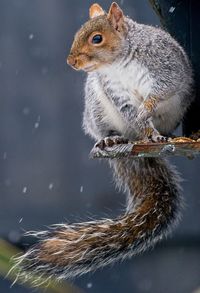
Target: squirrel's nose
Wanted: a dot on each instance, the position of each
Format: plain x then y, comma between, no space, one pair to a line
71,60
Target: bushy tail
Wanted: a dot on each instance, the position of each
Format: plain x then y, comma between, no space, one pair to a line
153,206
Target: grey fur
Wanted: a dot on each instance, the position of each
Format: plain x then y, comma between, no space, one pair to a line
152,185
169,69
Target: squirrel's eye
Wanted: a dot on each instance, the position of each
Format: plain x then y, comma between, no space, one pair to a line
97,39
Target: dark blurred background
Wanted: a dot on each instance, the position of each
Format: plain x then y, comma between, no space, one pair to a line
46,176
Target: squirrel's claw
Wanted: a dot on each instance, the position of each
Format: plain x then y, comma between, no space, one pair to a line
158,138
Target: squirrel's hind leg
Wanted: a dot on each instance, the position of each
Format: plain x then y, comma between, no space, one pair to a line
151,133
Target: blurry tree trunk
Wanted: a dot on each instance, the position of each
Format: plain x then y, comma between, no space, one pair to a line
182,19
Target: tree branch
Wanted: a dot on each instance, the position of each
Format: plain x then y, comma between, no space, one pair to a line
180,146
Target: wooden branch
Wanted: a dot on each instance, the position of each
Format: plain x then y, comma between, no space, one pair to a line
180,146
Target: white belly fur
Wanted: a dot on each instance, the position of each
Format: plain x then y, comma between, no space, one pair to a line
134,80
111,114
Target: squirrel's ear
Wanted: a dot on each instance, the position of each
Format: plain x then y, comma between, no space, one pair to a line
96,10
115,15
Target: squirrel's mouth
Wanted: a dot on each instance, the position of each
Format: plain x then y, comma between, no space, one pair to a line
89,68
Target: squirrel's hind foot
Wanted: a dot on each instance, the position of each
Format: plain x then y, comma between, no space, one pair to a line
158,138
152,135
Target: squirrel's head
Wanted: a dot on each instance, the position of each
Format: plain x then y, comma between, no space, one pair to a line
99,40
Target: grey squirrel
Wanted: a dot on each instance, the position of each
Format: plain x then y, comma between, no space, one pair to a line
139,85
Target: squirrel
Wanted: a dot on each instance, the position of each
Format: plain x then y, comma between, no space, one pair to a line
139,85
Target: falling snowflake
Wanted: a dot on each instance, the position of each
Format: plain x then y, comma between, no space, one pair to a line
37,123
171,10
89,285
50,186
20,220
24,190
31,36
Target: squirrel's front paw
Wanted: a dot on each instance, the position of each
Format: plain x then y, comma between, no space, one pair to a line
110,141
142,115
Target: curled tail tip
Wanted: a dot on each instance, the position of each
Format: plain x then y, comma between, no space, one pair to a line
24,272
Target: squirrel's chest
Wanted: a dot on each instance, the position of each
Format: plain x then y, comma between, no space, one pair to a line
131,85
132,81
